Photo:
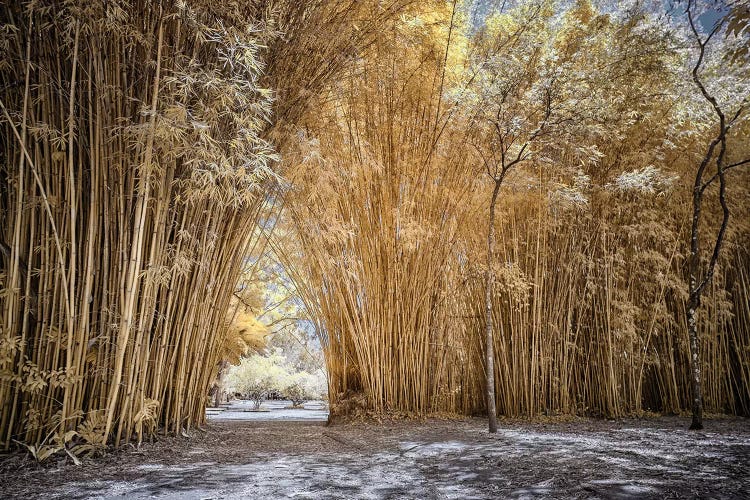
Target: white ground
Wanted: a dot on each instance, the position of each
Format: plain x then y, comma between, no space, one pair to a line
436,459
271,410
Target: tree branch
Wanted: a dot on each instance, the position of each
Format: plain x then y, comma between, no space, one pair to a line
728,167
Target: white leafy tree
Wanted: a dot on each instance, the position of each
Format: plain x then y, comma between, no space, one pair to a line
540,85
257,375
521,97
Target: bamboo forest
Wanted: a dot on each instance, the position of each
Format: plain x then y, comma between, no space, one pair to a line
374,249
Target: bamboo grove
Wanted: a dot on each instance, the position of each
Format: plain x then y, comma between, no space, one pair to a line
150,148
589,303
136,169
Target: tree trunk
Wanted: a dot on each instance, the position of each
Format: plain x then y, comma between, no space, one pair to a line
489,342
694,301
695,364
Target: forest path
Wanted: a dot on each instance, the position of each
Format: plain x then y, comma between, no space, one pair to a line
280,409
653,458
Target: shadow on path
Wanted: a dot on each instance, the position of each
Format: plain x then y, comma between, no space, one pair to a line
435,459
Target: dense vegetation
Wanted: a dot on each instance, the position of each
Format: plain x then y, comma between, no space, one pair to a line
595,128
424,181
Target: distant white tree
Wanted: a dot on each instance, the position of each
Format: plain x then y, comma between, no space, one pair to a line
257,375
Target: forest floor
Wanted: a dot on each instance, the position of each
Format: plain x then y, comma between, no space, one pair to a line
649,458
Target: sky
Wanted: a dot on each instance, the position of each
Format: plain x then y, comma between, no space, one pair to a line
480,9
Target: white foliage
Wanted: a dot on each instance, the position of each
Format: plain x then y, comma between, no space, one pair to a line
648,179
575,196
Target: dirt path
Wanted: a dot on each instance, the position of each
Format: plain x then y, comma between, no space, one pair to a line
436,459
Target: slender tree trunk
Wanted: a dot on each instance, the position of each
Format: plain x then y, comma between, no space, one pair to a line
695,363
697,284
694,301
489,341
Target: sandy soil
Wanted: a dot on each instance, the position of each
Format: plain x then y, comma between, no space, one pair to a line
654,458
